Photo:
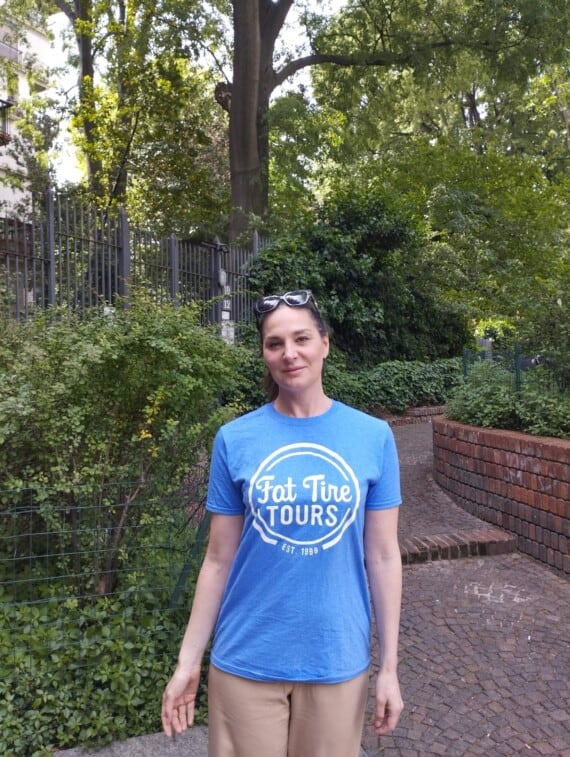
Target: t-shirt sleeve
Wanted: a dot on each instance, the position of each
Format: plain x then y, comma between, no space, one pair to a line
385,492
224,494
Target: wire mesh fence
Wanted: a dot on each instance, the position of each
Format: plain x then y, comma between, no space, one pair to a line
517,369
65,552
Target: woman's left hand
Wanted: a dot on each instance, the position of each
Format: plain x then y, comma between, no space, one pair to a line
389,704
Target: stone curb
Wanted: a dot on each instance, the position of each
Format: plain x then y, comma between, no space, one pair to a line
192,743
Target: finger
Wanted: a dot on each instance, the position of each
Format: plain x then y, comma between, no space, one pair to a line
182,717
385,726
190,713
166,725
178,720
386,720
380,713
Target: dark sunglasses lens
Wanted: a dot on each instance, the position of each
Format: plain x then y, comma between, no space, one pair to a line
300,297
297,298
266,304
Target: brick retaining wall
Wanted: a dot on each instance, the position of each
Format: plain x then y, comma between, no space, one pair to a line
516,481
411,415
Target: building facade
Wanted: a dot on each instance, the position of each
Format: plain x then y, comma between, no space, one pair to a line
20,54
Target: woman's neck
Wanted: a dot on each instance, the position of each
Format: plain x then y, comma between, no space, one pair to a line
302,407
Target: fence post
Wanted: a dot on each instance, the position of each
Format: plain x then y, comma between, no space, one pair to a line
518,377
124,258
465,361
50,243
215,272
174,265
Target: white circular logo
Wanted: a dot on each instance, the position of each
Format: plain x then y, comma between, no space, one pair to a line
304,494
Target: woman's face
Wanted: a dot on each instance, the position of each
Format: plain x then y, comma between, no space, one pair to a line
294,349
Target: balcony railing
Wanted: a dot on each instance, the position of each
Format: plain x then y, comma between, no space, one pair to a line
9,52
5,106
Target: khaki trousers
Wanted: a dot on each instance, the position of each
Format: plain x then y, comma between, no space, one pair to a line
265,719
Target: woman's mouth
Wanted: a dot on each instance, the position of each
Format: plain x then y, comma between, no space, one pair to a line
295,369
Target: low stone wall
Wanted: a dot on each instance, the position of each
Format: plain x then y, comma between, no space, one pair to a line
516,481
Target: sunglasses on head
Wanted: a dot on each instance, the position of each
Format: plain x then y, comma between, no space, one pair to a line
298,298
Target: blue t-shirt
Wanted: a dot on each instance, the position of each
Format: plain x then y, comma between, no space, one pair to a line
296,605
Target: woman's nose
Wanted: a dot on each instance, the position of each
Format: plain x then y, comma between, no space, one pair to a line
289,349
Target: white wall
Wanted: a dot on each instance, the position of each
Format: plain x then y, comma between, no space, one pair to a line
38,48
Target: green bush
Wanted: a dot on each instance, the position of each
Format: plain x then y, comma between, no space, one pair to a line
109,410
488,398
73,674
367,264
395,385
544,411
126,397
85,669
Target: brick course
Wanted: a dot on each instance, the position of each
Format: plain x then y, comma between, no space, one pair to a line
515,481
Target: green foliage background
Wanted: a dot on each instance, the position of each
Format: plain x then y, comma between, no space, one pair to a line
488,397
366,262
105,426
130,396
83,675
442,183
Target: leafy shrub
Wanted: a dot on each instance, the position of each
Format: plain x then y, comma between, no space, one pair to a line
126,397
86,670
395,385
73,674
243,390
365,262
488,398
544,411
109,409
104,422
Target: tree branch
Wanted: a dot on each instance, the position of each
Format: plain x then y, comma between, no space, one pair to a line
379,59
67,9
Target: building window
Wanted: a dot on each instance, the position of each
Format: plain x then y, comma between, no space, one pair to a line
5,106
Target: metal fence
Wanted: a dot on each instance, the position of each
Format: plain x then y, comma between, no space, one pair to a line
94,594
92,542
518,368
78,257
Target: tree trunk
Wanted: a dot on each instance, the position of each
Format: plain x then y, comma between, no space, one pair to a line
86,82
257,24
244,151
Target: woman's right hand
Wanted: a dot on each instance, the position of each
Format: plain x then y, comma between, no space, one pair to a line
179,700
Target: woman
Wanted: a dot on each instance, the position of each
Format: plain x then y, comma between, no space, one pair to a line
304,496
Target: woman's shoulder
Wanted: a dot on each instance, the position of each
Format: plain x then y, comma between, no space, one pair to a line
360,418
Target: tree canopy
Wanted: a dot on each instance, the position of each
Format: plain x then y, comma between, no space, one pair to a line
458,111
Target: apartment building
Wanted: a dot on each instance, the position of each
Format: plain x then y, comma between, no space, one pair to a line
18,266
16,57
